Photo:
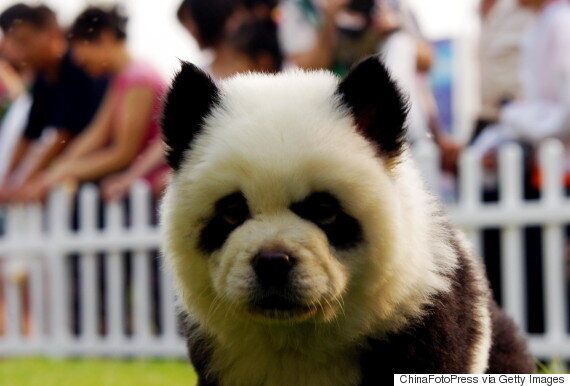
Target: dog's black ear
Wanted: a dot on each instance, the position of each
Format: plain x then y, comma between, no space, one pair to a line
190,98
377,105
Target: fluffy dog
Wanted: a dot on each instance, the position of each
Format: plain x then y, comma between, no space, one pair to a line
304,246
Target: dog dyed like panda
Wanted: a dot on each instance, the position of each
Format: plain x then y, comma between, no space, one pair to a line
304,246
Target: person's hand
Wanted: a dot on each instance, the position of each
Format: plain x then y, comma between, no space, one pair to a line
11,194
424,58
37,189
490,160
161,182
117,186
450,152
33,191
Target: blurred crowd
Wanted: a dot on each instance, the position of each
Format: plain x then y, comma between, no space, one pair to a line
77,106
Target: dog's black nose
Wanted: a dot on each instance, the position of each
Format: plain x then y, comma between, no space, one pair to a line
272,268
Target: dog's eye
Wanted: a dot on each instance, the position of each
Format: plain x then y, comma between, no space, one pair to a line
233,209
230,212
324,213
320,208
234,214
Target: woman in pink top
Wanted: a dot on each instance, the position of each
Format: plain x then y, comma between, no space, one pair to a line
127,121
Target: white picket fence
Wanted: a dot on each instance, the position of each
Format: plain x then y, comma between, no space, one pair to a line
40,240
45,254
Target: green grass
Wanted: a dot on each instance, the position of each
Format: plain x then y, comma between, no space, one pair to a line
107,372
94,372
554,366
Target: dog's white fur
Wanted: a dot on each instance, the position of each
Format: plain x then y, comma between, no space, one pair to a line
277,140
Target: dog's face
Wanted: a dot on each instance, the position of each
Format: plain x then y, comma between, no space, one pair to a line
284,201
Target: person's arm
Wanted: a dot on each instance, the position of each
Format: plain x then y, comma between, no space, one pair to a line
118,185
11,80
22,147
533,121
32,131
152,158
40,155
35,149
7,185
127,136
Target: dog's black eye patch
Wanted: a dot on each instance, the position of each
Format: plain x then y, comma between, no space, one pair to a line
324,210
230,212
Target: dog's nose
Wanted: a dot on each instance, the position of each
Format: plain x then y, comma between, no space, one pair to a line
272,268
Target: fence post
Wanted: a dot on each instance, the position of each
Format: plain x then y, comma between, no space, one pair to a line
552,167
88,265
15,231
58,233
168,309
141,279
35,269
512,267
114,273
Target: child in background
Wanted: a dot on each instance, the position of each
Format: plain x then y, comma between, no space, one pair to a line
127,122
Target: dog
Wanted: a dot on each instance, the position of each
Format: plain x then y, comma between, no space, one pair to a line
304,246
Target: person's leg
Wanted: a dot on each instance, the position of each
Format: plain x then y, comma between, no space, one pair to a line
491,238
533,248
74,274
533,277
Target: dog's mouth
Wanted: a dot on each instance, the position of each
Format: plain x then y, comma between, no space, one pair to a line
276,306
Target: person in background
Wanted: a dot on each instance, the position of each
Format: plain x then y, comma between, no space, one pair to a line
209,22
254,47
64,97
15,103
504,23
308,33
261,9
543,108
332,34
127,121
408,56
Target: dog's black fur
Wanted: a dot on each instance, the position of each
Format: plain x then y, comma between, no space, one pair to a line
189,100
